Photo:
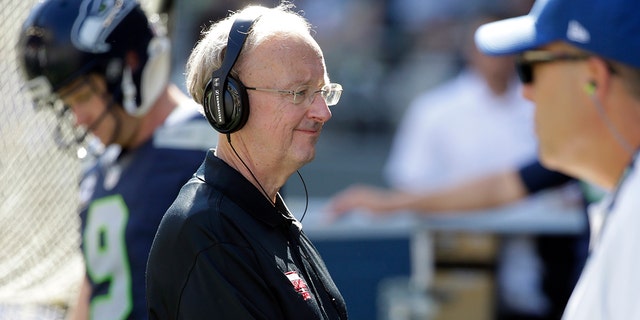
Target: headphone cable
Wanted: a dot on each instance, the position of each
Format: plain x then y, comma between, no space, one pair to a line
306,195
304,185
250,172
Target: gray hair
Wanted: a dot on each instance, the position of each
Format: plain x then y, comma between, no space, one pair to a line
208,54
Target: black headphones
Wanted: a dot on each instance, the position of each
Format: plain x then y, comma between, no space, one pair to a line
225,101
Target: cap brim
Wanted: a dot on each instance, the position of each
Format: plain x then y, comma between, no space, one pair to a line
507,36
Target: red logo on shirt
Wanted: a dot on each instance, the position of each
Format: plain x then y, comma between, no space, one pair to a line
299,284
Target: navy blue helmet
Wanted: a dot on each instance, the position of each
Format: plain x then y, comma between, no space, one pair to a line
63,40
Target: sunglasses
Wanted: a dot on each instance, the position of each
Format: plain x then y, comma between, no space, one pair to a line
526,61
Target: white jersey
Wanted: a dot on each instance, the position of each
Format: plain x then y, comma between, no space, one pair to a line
609,285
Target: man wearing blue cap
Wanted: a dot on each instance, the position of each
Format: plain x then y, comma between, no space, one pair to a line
580,64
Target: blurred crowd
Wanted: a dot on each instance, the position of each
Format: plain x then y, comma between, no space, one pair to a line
384,52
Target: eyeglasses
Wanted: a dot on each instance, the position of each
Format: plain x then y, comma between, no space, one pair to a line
330,93
525,62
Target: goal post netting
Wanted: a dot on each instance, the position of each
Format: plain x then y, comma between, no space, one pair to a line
40,261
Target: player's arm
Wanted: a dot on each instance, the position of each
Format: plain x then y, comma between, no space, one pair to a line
80,311
478,194
487,192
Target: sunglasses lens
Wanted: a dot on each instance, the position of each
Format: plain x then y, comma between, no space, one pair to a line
525,72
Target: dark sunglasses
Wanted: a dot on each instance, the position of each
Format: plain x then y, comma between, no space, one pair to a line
525,61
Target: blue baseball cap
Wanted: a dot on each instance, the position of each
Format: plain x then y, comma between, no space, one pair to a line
608,28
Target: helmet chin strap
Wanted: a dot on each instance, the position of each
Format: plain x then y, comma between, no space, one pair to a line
154,78
129,92
117,120
109,109
79,139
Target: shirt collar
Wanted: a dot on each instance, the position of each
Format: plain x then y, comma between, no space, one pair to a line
220,176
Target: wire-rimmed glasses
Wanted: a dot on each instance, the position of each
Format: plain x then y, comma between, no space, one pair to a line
330,93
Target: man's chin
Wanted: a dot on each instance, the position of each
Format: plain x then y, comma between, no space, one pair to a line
307,157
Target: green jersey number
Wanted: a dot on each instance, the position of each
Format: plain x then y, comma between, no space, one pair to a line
106,257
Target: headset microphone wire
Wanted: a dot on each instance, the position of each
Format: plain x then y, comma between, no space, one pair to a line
250,172
616,134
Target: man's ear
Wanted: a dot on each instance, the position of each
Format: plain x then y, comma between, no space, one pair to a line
599,75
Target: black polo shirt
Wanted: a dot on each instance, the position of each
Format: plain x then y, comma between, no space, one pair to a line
223,251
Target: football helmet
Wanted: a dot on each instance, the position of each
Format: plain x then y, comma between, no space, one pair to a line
62,40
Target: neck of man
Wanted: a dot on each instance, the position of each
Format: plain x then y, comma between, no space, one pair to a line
267,177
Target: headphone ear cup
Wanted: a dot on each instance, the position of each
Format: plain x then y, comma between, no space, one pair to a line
236,106
233,112
209,106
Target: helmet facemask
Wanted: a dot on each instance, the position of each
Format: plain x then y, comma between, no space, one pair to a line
68,137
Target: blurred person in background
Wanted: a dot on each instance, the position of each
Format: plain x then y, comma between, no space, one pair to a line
477,127
580,64
104,64
228,247
563,256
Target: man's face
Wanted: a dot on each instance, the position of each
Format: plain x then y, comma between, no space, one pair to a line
279,132
85,98
564,118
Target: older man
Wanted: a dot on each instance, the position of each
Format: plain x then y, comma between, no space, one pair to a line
229,248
